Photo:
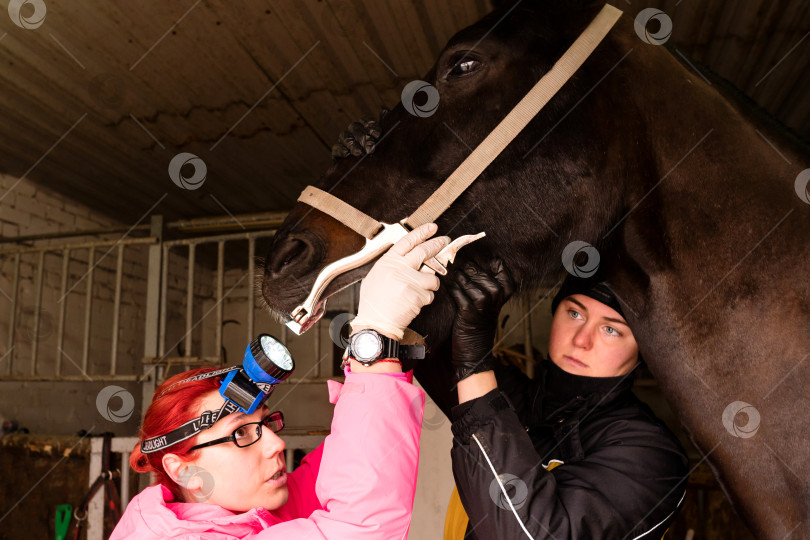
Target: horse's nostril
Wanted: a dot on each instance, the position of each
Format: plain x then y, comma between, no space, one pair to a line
287,254
293,253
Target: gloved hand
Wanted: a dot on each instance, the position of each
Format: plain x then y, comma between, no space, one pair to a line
394,291
359,138
479,297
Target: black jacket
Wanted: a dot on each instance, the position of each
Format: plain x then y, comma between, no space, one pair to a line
615,470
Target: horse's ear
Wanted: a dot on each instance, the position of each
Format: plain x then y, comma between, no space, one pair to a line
571,13
571,6
563,18
554,6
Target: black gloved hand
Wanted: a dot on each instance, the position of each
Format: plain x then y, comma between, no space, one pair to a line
359,138
479,297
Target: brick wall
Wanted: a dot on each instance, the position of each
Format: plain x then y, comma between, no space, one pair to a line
66,407
28,209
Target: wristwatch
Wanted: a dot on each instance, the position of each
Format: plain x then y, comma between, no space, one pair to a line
369,346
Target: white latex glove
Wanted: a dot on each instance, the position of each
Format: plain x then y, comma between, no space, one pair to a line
394,291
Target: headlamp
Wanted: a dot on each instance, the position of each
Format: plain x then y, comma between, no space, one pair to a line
267,363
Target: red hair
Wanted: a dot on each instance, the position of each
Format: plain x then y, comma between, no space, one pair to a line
171,407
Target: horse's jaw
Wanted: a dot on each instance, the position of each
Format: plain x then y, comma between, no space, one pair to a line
281,300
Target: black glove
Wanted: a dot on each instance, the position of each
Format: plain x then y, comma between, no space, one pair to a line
479,297
359,138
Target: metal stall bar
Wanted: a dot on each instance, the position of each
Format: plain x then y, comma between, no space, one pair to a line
12,325
88,308
152,319
125,477
37,311
119,271
220,287
33,372
73,234
60,333
164,291
77,245
218,238
220,277
192,250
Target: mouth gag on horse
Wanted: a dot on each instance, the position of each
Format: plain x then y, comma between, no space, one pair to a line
380,236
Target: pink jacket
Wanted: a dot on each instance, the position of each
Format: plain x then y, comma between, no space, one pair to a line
359,484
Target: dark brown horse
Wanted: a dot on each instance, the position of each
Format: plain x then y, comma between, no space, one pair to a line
701,226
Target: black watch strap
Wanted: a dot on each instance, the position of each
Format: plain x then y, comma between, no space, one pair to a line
394,349
411,352
391,348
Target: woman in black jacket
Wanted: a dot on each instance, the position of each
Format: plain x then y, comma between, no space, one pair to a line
569,454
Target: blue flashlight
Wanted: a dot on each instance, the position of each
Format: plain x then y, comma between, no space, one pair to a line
267,363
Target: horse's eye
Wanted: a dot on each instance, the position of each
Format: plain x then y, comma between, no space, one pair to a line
465,67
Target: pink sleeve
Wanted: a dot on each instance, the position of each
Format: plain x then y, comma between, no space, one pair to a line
406,376
367,477
301,484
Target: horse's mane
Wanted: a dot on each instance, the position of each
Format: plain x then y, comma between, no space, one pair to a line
752,110
749,108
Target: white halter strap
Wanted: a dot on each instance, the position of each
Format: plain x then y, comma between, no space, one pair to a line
486,152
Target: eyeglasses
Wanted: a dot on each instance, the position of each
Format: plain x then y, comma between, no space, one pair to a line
245,435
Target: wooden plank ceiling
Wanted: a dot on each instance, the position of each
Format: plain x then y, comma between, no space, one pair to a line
98,99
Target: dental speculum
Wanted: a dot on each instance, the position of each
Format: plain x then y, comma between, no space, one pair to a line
304,316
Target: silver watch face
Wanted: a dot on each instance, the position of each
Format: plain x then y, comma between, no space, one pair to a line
366,346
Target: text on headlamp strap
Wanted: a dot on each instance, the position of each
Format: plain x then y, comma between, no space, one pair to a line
199,377
189,429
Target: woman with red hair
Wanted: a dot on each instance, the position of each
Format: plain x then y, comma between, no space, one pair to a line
227,479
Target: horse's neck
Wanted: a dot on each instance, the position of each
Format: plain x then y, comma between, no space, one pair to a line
713,195
702,135
700,161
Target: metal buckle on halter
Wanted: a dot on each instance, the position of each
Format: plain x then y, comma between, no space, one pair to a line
313,308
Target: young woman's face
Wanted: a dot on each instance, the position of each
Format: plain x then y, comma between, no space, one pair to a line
235,478
589,338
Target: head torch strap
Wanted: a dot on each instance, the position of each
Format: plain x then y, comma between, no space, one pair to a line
189,429
200,377
210,374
